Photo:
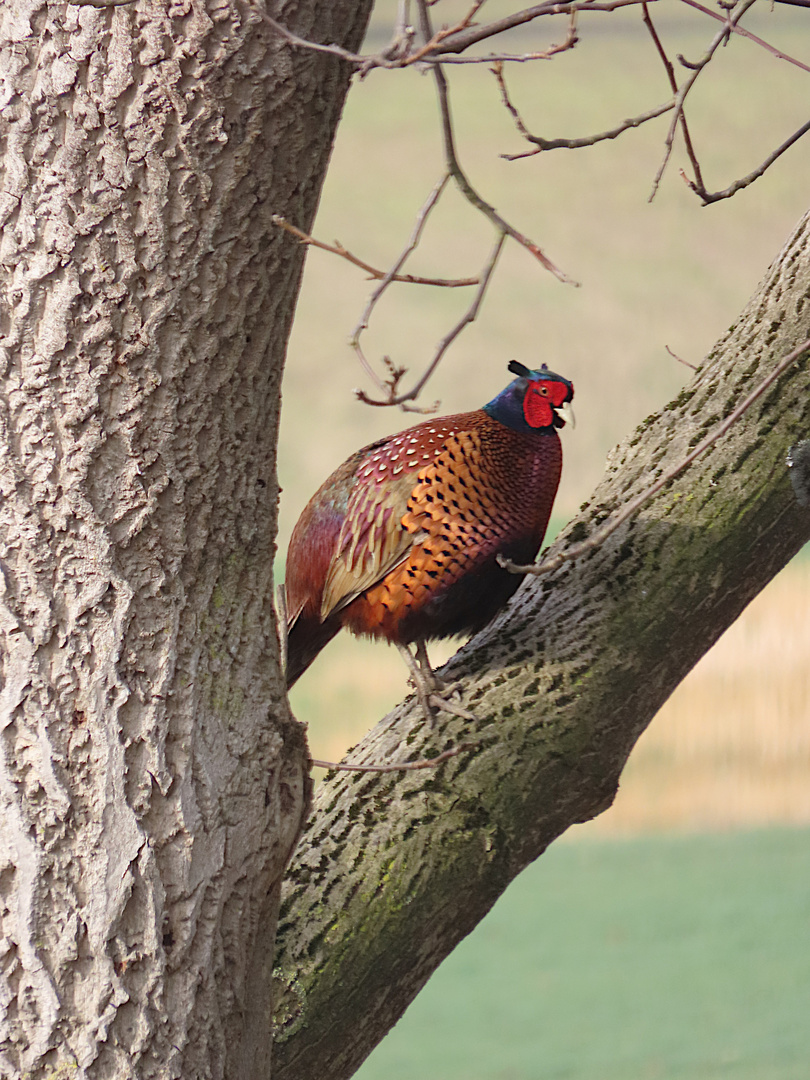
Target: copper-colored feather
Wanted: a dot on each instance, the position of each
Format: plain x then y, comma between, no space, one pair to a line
401,541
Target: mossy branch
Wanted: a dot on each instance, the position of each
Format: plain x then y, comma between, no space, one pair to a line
394,870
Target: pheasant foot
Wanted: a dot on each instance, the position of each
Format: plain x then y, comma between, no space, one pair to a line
430,691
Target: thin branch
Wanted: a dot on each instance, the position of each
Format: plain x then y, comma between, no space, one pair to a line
570,41
715,196
399,766
456,39
390,388
314,46
597,538
673,84
435,41
569,144
719,38
354,339
444,344
402,37
463,40
459,176
753,37
387,278
680,359
338,249
495,58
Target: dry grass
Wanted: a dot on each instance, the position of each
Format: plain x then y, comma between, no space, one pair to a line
730,748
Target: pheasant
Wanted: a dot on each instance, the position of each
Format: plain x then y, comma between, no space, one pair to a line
401,542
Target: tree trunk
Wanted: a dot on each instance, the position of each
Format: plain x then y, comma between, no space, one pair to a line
152,781
394,869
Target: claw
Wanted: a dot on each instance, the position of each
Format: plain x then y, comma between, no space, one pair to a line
430,691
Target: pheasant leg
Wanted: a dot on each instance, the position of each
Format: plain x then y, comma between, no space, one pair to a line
430,692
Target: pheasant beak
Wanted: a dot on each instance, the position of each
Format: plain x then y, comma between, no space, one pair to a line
566,413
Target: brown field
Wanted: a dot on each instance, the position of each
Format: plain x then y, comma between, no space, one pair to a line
731,747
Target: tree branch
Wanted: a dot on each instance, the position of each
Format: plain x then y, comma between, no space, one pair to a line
715,196
673,83
566,678
469,316
751,37
722,36
463,184
569,144
338,249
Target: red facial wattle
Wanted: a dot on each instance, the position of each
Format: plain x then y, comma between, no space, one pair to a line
540,401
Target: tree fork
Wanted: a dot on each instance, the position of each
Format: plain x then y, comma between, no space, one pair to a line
394,870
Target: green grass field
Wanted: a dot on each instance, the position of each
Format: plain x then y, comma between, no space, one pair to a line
648,959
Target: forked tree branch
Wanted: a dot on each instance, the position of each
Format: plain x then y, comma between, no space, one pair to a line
753,37
673,83
338,249
395,398
463,184
708,197
719,39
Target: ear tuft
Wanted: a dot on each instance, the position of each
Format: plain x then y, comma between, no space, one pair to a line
517,368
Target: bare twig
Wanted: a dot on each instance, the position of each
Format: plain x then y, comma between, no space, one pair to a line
399,766
673,83
752,37
399,52
569,144
459,42
715,196
597,538
546,54
468,317
680,359
387,278
354,340
402,37
498,58
390,388
720,37
338,249
314,46
459,176
441,35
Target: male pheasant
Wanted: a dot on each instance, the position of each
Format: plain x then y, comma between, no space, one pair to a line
401,542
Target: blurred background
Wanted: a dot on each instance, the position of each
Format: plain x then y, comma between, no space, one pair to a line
671,936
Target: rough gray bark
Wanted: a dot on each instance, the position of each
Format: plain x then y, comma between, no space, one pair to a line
394,869
151,778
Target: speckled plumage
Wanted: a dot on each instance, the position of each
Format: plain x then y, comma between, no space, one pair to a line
401,541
